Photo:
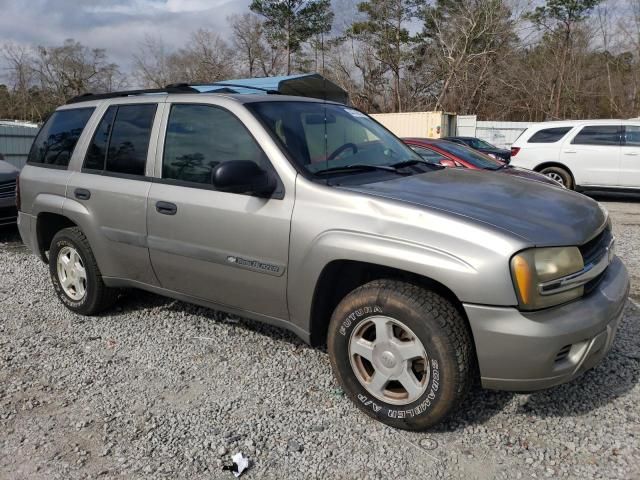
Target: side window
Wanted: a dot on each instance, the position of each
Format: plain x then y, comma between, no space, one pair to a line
632,136
549,135
599,135
129,141
121,141
97,151
200,137
428,155
57,139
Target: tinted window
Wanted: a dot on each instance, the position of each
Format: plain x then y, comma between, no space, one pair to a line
428,155
58,137
599,135
470,155
129,141
549,135
97,151
632,136
200,137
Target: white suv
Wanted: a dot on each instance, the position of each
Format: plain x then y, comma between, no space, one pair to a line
583,154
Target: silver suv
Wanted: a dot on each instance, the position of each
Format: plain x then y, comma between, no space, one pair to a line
311,216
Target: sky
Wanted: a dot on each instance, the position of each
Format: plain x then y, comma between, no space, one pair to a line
115,25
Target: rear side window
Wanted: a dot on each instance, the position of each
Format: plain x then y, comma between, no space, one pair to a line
57,139
632,136
121,141
549,135
599,135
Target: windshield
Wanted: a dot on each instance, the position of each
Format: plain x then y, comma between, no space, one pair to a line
477,143
320,136
470,155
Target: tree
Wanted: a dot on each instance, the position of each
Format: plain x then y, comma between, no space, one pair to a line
253,53
461,44
559,19
290,23
384,28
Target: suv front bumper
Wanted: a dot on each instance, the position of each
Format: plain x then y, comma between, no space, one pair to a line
526,351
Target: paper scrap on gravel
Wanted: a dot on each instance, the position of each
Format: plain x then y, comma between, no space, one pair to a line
240,464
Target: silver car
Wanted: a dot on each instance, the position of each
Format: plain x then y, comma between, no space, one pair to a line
310,216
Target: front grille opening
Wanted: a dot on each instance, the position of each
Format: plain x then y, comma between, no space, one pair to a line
7,189
596,247
562,355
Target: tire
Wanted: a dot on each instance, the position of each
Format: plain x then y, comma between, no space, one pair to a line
443,376
560,175
90,296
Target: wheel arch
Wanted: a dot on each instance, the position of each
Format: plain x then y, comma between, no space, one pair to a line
340,277
47,225
543,165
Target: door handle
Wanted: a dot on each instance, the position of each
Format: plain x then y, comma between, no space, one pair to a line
82,194
569,151
632,154
166,208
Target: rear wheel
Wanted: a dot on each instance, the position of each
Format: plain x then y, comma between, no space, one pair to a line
402,353
75,274
560,175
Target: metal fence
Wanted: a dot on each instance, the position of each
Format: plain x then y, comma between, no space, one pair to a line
500,134
15,141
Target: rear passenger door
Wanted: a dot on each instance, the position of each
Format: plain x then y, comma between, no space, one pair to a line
630,159
593,155
227,248
109,194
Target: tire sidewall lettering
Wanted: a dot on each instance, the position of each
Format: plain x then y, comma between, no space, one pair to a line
381,409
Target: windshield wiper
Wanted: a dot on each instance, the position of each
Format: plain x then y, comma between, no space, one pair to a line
360,167
409,163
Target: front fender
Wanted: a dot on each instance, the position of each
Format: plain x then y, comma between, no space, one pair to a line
457,274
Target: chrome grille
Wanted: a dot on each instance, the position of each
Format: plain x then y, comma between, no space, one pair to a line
592,251
8,189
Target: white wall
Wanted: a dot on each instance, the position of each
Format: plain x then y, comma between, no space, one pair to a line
500,134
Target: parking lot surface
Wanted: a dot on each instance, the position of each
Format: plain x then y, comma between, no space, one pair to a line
156,388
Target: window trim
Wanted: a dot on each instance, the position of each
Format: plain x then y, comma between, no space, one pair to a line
278,193
33,145
106,173
620,136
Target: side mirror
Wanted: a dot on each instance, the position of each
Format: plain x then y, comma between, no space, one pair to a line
448,163
243,176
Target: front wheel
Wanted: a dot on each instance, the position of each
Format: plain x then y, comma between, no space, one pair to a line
403,354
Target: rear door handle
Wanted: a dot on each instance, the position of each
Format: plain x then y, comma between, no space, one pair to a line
569,151
166,208
632,154
82,194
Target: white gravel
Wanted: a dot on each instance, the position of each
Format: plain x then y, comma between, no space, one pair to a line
161,389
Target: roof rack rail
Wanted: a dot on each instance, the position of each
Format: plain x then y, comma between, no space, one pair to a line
172,88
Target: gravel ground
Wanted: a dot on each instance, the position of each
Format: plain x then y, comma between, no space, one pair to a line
159,389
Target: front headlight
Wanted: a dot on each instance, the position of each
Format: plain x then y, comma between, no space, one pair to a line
532,268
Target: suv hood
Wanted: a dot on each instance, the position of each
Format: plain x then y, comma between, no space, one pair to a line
543,214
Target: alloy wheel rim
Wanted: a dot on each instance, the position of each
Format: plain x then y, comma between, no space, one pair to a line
71,273
389,360
556,176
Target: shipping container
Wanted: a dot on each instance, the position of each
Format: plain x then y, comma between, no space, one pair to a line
419,124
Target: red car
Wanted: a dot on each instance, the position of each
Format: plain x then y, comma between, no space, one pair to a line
449,154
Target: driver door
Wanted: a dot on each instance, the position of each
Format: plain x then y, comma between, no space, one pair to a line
227,248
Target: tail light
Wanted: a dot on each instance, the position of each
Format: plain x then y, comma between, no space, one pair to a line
514,151
18,191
